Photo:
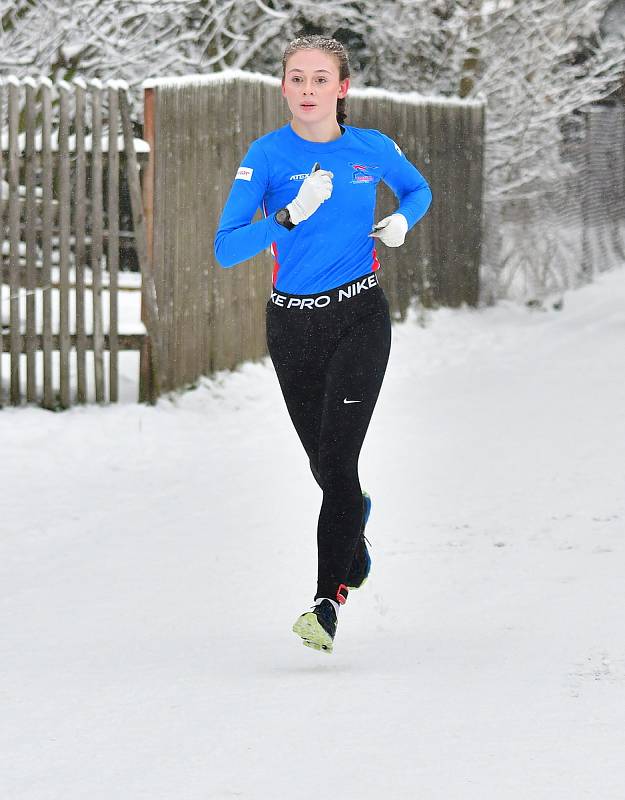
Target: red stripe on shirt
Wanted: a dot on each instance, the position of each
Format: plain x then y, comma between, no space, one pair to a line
274,253
276,265
376,264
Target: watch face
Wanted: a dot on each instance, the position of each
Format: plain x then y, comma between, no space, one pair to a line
282,215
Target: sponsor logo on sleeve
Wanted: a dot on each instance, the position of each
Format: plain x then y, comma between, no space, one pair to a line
244,174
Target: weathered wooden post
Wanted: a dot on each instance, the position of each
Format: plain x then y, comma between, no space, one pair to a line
148,289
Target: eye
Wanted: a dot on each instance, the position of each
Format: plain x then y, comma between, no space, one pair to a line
297,79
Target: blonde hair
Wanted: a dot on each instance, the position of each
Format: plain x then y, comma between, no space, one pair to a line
326,45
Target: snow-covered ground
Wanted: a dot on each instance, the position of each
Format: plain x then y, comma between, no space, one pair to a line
153,560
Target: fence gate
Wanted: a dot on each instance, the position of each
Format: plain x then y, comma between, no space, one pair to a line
60,164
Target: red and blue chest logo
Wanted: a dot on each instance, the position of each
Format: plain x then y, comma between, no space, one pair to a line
361,173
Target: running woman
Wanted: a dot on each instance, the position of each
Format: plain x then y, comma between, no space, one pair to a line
328,325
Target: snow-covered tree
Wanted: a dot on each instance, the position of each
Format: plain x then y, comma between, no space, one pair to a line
536,63
531,69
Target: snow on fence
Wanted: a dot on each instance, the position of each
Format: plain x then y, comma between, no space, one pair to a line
199,128
56,270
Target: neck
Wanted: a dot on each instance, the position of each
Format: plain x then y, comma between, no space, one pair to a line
322,131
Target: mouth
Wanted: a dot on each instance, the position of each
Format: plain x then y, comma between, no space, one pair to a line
308,105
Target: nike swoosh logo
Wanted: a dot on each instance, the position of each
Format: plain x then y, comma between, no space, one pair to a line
352,401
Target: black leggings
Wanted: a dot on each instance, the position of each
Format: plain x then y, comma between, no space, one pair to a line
330,352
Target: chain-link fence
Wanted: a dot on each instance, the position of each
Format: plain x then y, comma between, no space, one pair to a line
564,228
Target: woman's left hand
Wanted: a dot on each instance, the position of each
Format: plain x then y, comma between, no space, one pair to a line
391,230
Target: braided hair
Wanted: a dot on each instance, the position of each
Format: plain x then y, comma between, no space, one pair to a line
327,45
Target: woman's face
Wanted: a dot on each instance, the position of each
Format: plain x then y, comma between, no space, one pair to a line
311,85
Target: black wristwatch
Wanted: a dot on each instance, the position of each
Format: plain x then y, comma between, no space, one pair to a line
284,218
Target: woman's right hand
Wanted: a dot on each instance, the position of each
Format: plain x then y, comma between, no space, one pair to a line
315,190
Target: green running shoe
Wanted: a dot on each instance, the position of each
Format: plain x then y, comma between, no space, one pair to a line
317,627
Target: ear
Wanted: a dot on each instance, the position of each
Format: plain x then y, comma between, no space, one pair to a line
343,87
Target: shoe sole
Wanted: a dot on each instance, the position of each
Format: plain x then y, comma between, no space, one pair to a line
312,633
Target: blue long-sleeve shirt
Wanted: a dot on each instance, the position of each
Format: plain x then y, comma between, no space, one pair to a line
332,246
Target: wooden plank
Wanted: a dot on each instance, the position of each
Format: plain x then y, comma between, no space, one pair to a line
153,255
63,179
30,167
230,157
80,211
95,87
113,240
275,115
148,294
46,239
390,256
410,260
169,201
14,238
475,179
162,274
220,176
126,341
237,306
462,219
185,311
213,208
186,297
197,247
379,116
216,201
254,290
432,294
204,243
162,249
422,231
443,211
179,102
272,110
453,225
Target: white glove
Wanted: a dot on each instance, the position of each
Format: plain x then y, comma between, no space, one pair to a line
315,190
391,230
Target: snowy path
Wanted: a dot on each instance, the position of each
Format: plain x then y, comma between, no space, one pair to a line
152,561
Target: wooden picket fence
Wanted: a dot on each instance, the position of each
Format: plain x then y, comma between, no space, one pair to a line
54,259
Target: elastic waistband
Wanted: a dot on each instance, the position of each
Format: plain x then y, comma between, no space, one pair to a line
339,294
